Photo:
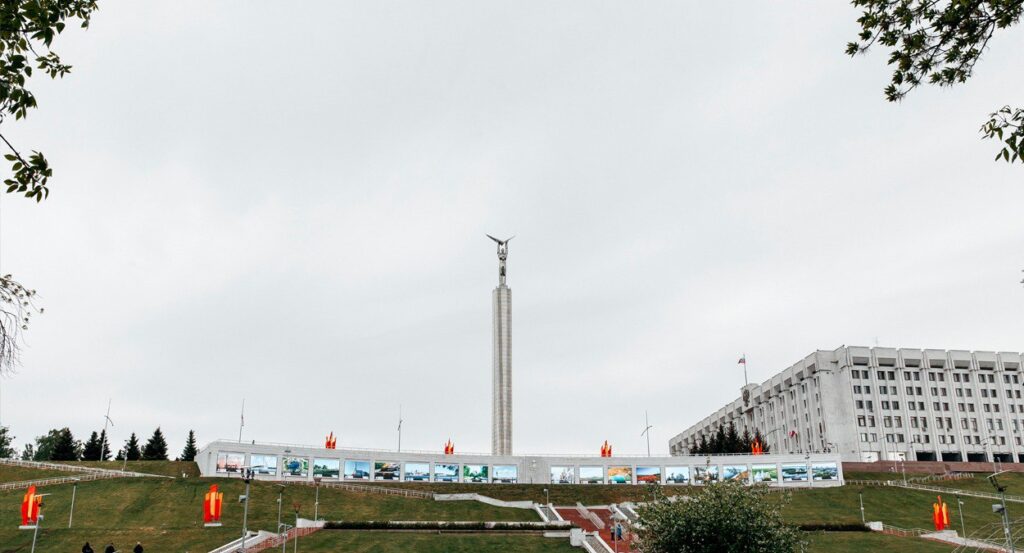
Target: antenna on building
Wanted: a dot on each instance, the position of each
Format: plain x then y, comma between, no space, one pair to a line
399,427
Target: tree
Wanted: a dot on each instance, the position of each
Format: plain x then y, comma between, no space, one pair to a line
27,30
44,445
746,442
190,451
7,451
724,516
29,453
704,448
760,439
732,440
65,448
718,440
91,449
156,447
939,42
131,449
105,443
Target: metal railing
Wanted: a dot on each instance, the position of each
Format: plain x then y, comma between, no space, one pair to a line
903,532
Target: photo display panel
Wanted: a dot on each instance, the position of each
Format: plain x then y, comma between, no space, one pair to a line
417,472
738,473
296,466
648,475
765,473
591,475
327,468
506,474
563,475
825,471
620,475
794,473
230,462
386,470
474,473
357,470
677,475
705,474
446,473
263,464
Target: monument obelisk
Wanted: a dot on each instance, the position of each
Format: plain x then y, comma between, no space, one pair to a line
501,399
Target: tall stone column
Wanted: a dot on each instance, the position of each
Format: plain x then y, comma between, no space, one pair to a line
501,398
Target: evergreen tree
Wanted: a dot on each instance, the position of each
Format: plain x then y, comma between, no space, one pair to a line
732,440
759,438
120,455
704,448
189,453
91,449
746,442
65,448
156,447
105,442
29,454
7,451
131,449
718,443
694,449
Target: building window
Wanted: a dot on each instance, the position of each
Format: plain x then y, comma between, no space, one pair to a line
895,405
863,437
861,421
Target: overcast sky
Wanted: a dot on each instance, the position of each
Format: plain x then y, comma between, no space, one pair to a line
287,203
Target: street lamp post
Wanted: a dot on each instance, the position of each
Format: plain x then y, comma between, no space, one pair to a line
74,491
960,507
280,502
296,506
860,494
547,497
247,474
316,502
35,533
1001,508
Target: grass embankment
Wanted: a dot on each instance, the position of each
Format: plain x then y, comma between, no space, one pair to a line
160,468
21,474
166,515
401,542
858,542
561,494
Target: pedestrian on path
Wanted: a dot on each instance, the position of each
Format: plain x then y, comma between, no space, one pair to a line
87,548
110,548
138,547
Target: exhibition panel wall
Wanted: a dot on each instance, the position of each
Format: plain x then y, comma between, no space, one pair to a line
291,462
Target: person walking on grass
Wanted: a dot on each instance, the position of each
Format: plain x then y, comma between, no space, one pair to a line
87,548
110,548
138,547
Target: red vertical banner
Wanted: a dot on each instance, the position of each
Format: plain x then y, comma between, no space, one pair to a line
212,503
30,506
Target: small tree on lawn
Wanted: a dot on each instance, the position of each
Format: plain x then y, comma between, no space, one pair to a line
131,449
7,450
156,447
105,443
65,448
91,450
732,440
704,448
29,453
721,517
190,451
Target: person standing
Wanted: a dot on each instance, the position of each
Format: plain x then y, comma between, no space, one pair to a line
110,548
138,547
87,548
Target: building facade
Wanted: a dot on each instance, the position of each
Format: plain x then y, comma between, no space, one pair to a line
870,404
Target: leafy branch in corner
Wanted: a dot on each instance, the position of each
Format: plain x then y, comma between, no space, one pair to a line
939,42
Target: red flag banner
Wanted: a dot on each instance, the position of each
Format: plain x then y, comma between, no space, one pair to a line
30,506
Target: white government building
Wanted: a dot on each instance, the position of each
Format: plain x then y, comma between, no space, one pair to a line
870,404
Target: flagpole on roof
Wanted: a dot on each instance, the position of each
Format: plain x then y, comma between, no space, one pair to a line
241,422
743,361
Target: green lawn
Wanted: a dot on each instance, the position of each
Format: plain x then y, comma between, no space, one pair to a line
561,494
858,542
168,513
19,474
401,542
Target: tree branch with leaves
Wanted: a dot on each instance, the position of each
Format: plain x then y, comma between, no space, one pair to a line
27,31
939,42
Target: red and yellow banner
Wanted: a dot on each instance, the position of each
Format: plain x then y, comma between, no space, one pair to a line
31,504
606,449
940,514
331,442
449,447
212,503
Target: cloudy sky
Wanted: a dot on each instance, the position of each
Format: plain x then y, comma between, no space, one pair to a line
287,203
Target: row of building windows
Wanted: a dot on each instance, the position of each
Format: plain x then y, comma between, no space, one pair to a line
939,376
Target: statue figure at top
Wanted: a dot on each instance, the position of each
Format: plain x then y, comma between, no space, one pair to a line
502,255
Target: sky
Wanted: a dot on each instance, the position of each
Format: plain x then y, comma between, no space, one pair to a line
287,204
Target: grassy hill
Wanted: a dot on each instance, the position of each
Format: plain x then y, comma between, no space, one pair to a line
166,514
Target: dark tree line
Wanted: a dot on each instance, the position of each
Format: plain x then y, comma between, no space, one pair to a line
726,440
59,444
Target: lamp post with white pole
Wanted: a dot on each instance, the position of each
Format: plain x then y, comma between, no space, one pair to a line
316,502
247,475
